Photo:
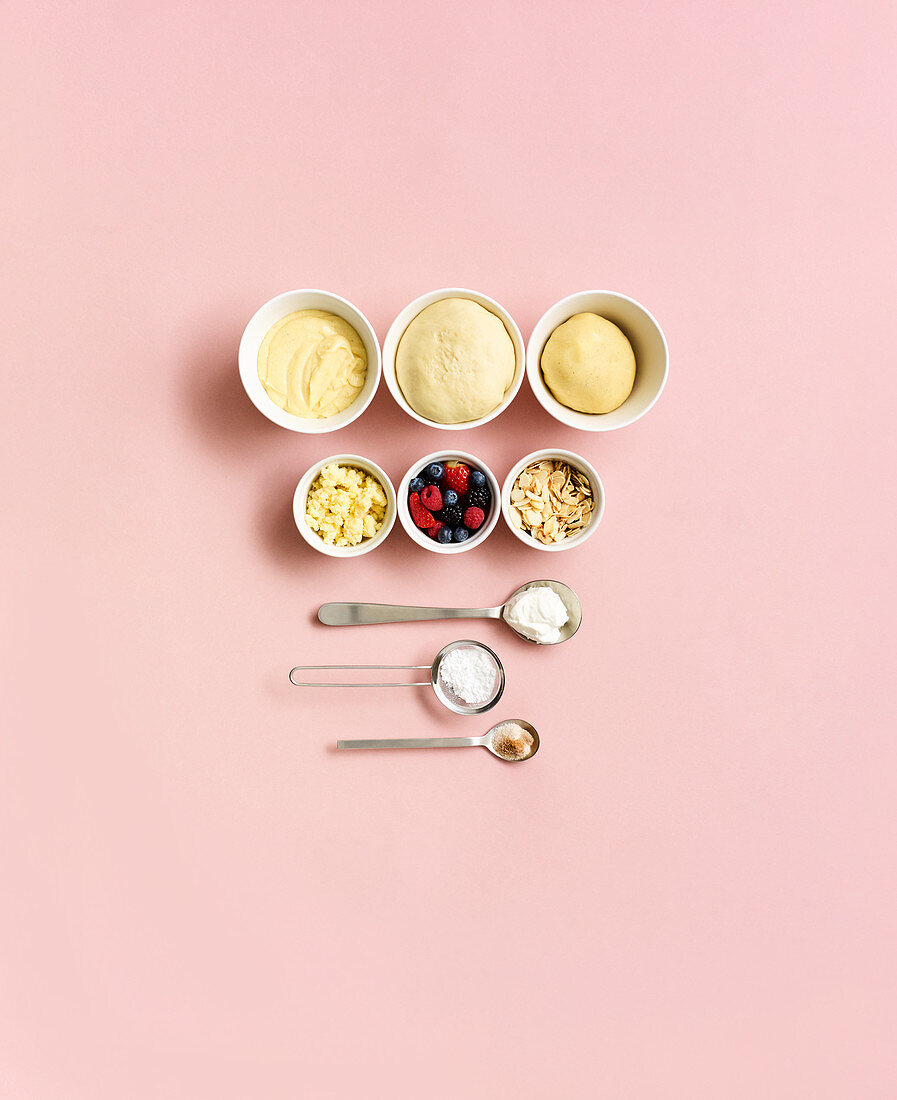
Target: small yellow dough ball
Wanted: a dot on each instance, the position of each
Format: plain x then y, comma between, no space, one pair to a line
588,364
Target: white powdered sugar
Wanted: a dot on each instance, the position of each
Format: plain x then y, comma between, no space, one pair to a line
470,673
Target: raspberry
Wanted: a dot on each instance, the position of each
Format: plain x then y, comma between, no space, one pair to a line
420,515
473,518
433,531
479,498
457,477
431,497
451,515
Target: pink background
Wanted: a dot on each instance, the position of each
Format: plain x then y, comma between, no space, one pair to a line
690,892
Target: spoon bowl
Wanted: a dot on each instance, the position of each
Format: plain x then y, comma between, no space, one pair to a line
571,602
530,729
447,696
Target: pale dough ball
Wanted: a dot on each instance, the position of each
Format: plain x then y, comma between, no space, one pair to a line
588,364
455,361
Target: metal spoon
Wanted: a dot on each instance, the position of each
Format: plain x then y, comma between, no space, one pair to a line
363,614
447,742
443,692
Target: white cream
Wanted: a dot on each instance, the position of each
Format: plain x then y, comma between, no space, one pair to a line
538,614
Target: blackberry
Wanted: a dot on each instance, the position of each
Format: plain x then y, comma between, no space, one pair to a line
451,515
479,498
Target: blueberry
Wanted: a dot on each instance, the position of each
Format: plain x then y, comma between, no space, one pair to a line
444,534
460,534
449,497
435,472
416,484
477,478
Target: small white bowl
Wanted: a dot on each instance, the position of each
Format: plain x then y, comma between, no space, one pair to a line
597,495
648,344
272,312
421,537
313,538
404,319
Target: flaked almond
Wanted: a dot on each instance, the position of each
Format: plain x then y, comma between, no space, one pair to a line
550,501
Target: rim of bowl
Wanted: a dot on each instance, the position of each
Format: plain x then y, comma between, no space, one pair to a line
404,319
312,538
269,314
574,460
563,310
421,538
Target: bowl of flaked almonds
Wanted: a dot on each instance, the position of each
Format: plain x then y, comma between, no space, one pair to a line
552,500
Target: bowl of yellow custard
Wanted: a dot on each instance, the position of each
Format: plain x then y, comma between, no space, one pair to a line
310,361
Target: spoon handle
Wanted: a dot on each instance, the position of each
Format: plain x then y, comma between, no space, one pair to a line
362,614
412,743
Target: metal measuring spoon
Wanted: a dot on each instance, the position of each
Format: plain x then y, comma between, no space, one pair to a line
364,614
443,692
448,742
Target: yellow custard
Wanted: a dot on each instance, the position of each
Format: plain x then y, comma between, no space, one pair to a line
312,364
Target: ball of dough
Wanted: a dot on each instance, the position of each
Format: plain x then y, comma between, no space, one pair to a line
588,364
455,361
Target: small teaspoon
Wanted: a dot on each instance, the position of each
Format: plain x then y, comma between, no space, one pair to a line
448,742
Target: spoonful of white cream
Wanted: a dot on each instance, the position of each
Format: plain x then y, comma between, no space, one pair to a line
537,613
545,612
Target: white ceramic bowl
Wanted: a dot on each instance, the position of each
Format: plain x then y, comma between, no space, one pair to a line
648,344
597,494
272,312
421,537
404,319
313,538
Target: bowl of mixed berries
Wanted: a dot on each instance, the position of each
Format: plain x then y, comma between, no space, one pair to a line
449,503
